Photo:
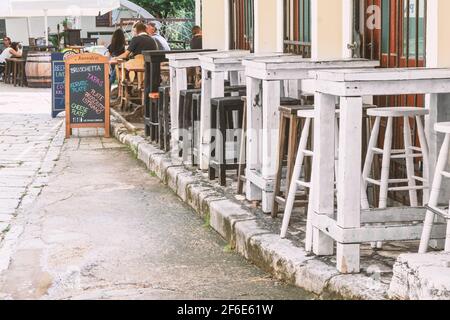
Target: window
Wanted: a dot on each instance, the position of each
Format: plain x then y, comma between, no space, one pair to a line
2,28
297,27
242,24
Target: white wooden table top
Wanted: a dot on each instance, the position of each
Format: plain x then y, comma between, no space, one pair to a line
382,74
297,62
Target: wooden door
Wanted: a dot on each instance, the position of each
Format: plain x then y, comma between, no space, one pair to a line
393,32
297,27
242,24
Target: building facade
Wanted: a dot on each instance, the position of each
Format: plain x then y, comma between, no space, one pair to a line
399,33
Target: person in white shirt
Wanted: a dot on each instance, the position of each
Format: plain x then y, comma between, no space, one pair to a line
152,30
11,51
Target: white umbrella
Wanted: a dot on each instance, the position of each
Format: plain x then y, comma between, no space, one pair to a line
55,8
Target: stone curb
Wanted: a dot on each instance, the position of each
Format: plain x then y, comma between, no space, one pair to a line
239,227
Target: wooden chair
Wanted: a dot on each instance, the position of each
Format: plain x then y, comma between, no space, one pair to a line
131,81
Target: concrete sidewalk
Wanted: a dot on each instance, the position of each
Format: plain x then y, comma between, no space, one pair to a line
104,228
256,237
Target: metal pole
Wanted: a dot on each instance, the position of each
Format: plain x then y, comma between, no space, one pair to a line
46,26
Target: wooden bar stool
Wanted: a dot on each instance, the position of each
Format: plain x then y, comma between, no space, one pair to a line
196,114
151,118
433,209
296,181
9,66
223,119
285,101
21,77
185,121
164,118
409,153
287,145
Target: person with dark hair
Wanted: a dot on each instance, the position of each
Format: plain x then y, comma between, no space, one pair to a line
115,49
197,38
141,42
118,43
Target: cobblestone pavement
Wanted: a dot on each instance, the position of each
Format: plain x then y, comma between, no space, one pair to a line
29,146
101,227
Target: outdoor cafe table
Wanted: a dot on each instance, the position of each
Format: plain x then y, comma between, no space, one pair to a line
348,226
263,92
214,67
179,63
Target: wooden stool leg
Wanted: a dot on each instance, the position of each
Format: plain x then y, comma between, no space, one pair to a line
387,151
368,163
434,195
426,161
241,170
281,147
409,162
292,147
295,177
385,170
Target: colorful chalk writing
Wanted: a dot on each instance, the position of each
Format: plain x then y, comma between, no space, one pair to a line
95,79
79,111
94,101
79,86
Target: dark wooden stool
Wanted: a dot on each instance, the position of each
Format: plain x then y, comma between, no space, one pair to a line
19,72
185,120
196,115
164,118
223,112
287,149
151,118
9,67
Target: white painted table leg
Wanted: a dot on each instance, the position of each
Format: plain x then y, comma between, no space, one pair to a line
173,109
322,190
254,122
204,118
180,82
216,90
349,181
271,115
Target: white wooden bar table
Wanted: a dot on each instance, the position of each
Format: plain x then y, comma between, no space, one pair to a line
349,226
263,100
178,65
214,68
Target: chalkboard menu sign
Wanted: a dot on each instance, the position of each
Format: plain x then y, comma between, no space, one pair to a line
58,81
87,92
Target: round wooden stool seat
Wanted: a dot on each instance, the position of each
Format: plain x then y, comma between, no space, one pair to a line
397,112
443,127
154,95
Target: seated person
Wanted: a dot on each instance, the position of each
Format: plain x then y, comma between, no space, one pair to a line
141,42
152,30
197,38
12,51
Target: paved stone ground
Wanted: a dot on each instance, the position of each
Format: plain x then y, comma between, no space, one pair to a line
101,226
29,147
